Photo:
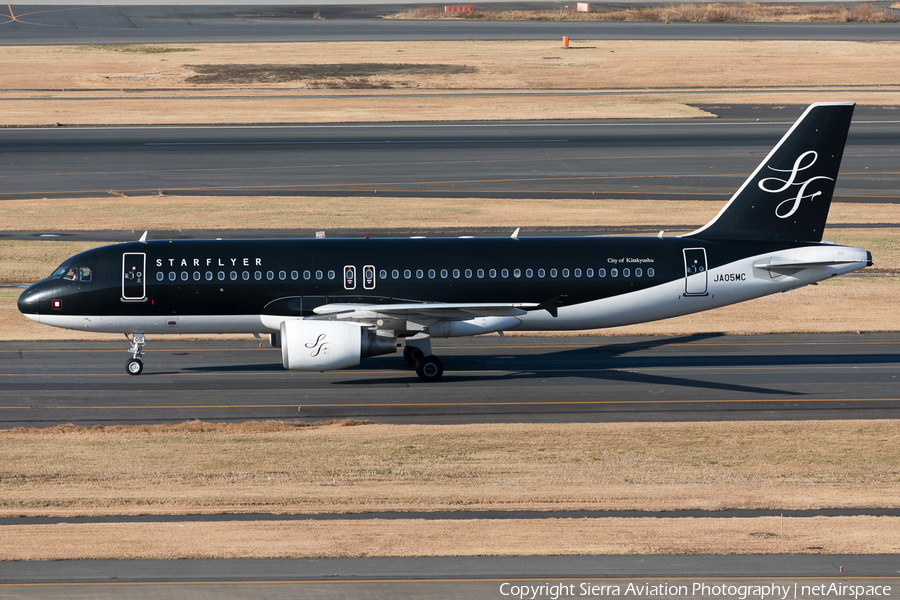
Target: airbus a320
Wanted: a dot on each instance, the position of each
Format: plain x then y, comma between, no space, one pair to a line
328,303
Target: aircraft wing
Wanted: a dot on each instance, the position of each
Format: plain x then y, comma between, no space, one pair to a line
414,311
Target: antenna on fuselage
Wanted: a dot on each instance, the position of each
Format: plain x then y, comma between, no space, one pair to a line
143,239
515,234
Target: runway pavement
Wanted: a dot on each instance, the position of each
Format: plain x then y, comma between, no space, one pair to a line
524,379
449,577
687,159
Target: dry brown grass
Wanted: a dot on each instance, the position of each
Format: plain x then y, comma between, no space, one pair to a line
645,466
414,537
93,85
715,12
316,213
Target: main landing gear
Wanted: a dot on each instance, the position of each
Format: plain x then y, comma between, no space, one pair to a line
134,365
417,354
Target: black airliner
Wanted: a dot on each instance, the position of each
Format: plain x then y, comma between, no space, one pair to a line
327,303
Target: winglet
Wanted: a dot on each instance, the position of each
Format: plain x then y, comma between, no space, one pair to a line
515,234
143,239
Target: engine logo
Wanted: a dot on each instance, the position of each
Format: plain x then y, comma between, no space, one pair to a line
319,346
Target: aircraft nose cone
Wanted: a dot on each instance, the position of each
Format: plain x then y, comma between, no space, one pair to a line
29,301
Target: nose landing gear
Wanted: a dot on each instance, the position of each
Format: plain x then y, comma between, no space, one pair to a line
135,366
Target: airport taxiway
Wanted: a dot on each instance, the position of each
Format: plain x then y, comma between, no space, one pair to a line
444,577
486,379
597,159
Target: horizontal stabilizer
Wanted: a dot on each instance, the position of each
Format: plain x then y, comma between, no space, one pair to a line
801,264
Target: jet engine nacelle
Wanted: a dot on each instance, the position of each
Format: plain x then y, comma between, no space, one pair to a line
314,345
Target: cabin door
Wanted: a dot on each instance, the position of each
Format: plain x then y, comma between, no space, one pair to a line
695,272
134,271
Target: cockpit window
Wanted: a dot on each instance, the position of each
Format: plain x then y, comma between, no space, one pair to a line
72,273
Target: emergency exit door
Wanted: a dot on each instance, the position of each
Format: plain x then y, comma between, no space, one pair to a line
695,272
134,280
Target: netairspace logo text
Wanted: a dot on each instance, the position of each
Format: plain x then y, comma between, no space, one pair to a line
772,591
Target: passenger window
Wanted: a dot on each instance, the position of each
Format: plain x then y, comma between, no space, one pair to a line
590,272
552,272
419,273
270,275
383,274
504,273
626,272
480,273
529,273
431,273
540,272
565,272
443,273
614,272
517,273
601,272
295,275
209,276
577,272
258,275
650,272
407,274
330,275
245,275
221,275
172,276
196,275
234,275
159,276
395,274
282,275
493,273
455,273
468,273
307,275
318,274
184,275
637,272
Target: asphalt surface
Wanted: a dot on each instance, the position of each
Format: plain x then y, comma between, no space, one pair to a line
72,23
689,159
486,379
445,577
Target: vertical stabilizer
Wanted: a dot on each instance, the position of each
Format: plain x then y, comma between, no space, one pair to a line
788,195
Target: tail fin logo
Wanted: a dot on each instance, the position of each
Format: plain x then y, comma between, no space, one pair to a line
788,207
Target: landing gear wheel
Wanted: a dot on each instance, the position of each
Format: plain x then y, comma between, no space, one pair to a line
134,366
429,369
412,355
